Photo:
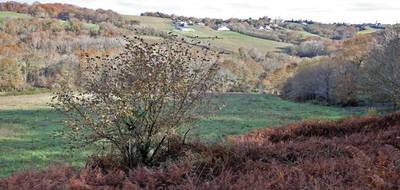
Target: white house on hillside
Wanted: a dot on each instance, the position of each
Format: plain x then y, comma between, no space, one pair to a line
183,26
223,28
267,27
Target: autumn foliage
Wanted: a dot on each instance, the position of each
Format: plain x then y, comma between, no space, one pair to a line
355,153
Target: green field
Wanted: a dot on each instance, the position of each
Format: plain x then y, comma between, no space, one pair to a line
367,31
230,41
27,126
153,22
7,14
245,112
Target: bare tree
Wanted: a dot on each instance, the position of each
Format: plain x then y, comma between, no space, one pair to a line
311,49
383,66
136,100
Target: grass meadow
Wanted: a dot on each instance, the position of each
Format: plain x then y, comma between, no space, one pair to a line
28,126
7,14
227,40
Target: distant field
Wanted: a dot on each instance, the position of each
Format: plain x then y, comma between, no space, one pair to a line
367,31
304,34
154,22
230,41
27,125
246,112
25,102
6,14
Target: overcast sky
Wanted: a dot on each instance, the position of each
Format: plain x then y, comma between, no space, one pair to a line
349,11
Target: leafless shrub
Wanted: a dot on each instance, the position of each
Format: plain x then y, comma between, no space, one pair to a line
136,101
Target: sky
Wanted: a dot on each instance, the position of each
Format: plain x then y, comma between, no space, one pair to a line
328,11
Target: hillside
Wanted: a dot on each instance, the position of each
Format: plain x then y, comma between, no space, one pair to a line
356,153
28,126
51,41
93,99
223,40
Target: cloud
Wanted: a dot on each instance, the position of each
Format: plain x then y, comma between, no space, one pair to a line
350,11
361,6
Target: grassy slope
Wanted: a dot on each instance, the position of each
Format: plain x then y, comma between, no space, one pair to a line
26,128
230,41
26,141
367,31
246,112
7,14
154,22
27,125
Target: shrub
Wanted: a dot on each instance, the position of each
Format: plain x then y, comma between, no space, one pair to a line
372,111
311,49
311,82
136,101
10,75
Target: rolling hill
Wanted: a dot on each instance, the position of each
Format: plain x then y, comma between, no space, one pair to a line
224,40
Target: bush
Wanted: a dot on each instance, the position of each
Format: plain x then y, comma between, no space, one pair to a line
10,75
137,100
310,49
311,82
372,111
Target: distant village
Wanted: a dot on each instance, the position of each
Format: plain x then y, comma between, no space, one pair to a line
186,25
264,27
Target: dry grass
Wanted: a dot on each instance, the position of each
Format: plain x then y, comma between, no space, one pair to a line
356,153
25,102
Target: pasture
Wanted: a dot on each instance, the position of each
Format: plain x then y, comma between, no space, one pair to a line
232,41
7,14
225,40
29,127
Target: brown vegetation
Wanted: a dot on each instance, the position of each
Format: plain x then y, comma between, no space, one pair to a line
356,153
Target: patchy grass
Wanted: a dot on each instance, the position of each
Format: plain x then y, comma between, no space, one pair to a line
25,102
304,34
367,31
246,112
227,40
355,153
7,14
29,91
26,141
27,125
232,41
163,24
